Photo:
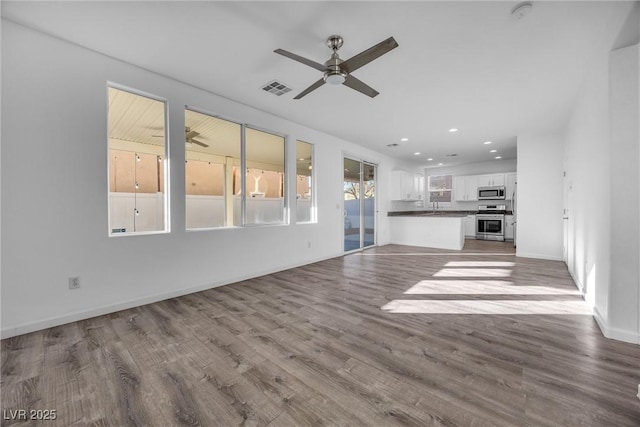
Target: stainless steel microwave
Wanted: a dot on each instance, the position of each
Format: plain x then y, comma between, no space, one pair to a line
491,193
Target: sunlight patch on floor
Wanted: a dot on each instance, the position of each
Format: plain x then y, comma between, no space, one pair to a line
504,307
455,254
480,264
473,272
483,287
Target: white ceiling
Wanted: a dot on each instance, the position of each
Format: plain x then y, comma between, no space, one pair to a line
468,65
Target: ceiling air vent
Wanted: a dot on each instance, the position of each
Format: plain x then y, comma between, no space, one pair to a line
393,144
277,88
451,155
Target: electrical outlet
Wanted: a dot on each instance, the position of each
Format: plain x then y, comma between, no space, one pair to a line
74,282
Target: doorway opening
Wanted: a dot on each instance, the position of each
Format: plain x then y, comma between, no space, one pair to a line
359,198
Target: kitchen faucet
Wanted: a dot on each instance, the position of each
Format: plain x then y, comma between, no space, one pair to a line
435,206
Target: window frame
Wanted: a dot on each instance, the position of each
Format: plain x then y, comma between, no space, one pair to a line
313,216
286,215
445,190
166,172
226,220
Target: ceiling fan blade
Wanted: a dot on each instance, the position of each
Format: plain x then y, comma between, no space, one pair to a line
311,88
374,52
360,86
305,61
191,134
195,141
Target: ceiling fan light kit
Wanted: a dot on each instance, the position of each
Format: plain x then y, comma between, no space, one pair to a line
336,71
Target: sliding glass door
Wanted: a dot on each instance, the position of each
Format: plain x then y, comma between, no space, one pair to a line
359,190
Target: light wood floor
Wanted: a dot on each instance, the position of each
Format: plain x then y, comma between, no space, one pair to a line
392,336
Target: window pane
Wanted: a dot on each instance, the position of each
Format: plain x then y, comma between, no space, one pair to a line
212,153
304,187
440,188
137,147
369,205
440,182
265,177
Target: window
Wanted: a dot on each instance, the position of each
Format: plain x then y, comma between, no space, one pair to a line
212,165
137,163
305,208
264,180
440,188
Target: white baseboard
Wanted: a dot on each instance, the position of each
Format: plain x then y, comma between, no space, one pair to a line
578,283
538,256
25,328
607,331
615,333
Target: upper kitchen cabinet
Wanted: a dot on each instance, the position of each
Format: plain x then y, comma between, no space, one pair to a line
407,186
491,180
465,188
511,185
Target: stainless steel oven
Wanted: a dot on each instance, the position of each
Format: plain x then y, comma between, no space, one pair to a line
490,222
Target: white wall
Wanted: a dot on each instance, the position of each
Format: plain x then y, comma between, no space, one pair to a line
539,208
54,193
587,187
603,191
624,65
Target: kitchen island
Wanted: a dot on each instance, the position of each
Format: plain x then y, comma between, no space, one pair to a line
440,229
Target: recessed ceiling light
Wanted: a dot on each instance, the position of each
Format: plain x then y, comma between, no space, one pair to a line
493,151
440,164
498,157
301,159
487,142
417,153
429,159
404,139
453,130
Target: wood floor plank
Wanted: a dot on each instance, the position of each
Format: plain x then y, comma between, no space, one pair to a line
320,345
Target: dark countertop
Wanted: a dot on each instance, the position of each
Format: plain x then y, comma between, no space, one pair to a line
429,213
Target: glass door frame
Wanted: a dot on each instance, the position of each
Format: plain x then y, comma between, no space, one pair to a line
362,163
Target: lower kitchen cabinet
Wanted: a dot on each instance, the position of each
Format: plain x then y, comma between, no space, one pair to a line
470,227
508,227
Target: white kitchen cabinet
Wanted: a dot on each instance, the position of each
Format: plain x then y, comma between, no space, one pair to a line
407,186
491,180
511,184
470,227
465,188
508,227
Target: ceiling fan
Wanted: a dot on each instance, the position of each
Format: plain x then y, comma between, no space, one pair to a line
336,71
189,136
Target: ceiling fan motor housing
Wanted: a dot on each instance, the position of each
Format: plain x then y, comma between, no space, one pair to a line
334,74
